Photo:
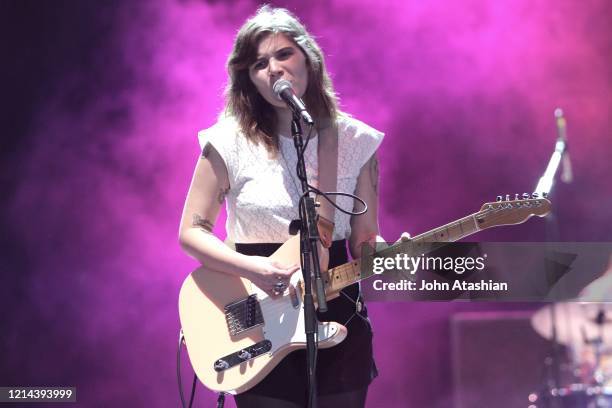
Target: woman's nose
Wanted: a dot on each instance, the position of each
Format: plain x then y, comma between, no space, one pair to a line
275,68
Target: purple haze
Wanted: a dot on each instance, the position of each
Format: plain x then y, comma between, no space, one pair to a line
465,92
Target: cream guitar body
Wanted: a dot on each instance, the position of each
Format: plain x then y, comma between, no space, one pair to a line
236,334
274,328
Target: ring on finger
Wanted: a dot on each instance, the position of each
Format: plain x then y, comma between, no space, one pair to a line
279,287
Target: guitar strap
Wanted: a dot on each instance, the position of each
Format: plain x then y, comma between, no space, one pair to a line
327,152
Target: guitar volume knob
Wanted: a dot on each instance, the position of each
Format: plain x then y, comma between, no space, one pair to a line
221,365
244,355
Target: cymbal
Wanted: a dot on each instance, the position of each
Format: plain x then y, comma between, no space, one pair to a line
576,322
600,290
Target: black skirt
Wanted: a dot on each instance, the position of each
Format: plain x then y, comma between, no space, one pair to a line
346,367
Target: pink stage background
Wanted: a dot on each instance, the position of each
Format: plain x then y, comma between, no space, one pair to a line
102,104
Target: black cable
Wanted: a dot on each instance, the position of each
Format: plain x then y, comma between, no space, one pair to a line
310,129
193,388
326,195
221,400
178,374
336,193
178,368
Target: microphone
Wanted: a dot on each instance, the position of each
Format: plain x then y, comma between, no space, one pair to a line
566,170
283,89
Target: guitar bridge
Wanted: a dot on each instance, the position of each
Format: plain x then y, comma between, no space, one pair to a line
243,315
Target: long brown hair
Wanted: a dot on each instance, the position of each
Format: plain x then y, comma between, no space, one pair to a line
255,116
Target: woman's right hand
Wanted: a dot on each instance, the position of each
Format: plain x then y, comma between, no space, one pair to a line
267,273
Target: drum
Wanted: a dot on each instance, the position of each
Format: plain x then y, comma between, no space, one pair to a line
573,396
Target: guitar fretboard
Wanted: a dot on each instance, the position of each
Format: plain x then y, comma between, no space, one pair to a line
344,275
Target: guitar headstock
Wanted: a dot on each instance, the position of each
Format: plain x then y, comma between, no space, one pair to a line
507,211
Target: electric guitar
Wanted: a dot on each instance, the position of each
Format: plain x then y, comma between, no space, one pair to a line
236,334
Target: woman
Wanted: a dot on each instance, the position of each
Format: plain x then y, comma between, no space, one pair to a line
249,160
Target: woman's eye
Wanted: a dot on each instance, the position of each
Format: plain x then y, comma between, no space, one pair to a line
284,54
260,65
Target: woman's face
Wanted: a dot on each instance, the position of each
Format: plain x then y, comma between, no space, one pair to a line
278,57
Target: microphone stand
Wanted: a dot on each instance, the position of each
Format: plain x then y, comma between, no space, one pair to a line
309,236
545,183
543,189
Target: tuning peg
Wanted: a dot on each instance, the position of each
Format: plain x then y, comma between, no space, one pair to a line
519,197
501,198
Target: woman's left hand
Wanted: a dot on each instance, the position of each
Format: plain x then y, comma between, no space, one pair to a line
405,237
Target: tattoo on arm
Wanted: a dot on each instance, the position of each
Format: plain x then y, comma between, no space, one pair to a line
206,150
222,193
374,172
202,223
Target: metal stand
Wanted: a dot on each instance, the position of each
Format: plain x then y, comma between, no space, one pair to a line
543,189
309,261
554,380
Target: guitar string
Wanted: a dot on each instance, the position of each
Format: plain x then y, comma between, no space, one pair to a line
279,306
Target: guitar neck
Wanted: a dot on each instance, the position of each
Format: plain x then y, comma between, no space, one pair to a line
344,275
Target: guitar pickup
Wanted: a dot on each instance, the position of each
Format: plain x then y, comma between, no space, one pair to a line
243,315
243,355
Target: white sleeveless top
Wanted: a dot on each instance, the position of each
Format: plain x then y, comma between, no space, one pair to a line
264,193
